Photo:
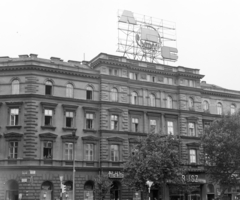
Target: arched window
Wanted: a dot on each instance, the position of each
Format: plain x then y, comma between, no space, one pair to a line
89,93
169,102
114,94
233,109
115,191
219,108
15,86
190,103
134,98
88,190
152,100
48,88
12,190
46,190
205,106
69,90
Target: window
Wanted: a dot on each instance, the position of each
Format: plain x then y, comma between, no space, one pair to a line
89,120
190,103
48,88
68,151
219,108
132,75
153,126
233,109
134,98
47,150
135,125
170,129
48,114
205,106
89,93
114,94
152,100
114,122
15,87
193,155
190,83
14,116
169,102
191,129
69,119
113,72
89,149
114,151
170,81
13,150
69,90
153,79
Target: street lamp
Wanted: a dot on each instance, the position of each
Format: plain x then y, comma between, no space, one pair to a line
149,184
61,180
74,135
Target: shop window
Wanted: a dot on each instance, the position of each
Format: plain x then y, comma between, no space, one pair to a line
205,106
169,102
115,191
114,122
192,155
134,98
170,128
114,94
48,88
68,151
14,116
152,100
89,120
89,93
114,152
47,149
15,86
153,126
219,108
190,103
13,150
191,129
69,90
135,125
233,109
88,190
12,190
89,152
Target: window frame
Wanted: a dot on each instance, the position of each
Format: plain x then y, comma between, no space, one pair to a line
15,86
152,100
205,106
69,90
73,109
232,109
89,92
169,102
49,88
116,153
114,122
11,106
190,103
169,128
115,141
68,152
192,130
134,98
135,124
52,107
95,142
219,108
14,117
114,94
191,156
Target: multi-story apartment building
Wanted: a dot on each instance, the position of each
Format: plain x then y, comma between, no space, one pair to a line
98,109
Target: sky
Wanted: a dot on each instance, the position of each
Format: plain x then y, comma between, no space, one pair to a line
208,31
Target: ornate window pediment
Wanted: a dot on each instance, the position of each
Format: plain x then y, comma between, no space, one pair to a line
13,136
115,110
50,136
90,138
193,144
115,139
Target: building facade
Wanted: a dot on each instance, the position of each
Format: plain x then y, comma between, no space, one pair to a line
58,116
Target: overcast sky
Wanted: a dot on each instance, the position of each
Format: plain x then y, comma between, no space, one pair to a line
208,31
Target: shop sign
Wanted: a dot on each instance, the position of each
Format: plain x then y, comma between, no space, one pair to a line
115,174
193,178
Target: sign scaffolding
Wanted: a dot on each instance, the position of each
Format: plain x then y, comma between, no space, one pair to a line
146,38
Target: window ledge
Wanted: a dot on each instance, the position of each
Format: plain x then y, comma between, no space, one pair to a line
89,131
13,127
49,127
69,129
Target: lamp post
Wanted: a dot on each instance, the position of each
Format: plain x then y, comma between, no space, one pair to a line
74,135
149,184
61,180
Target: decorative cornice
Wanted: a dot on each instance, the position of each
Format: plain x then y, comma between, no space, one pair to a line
115,110
193,144
67,106
48,135
16,103
13,135
90,108
90,138
69,137
115,139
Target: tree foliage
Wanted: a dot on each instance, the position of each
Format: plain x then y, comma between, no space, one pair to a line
221,144
156,158
102,186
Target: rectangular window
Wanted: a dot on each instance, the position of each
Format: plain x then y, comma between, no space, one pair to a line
114,149
68,151
190,83
170,129
69,119
153,126
135,127
47,150
89,121
170,82
115,72
193,156
89,150
153,79
48,117
48,90
132,76
114,122
148,77
13,150
14,115
191,129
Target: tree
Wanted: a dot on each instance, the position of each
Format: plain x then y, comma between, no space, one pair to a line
221,144
102,186
156,159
